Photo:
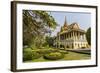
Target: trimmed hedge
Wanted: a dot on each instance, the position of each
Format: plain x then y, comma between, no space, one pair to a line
63,51
46,51
54,56
36,55
28,54
50,54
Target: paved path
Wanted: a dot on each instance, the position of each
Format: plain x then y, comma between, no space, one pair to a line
84,51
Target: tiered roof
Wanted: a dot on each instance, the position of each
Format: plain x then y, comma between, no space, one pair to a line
72,27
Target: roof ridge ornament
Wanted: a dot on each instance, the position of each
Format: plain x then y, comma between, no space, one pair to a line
65,24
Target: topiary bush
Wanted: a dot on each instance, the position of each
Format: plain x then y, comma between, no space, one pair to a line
63,51
42,51
36,55
27,49
54,56
46,51
27,55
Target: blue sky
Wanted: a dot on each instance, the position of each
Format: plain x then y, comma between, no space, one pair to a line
83,19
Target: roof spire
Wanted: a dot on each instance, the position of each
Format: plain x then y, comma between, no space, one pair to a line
65,24
65,20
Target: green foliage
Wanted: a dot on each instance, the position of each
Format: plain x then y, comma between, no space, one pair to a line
29,54
36,55
27,49
54,56
49,41
88,36
45,51
63,51
35,25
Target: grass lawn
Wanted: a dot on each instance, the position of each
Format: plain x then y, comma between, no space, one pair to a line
69,56
76,56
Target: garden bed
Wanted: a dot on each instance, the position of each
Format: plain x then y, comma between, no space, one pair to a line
43,55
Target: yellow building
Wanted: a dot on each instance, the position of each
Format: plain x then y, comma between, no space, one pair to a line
71,36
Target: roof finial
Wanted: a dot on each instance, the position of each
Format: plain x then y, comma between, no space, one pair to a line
65,24
65,20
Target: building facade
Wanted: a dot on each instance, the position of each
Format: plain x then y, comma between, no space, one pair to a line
71,37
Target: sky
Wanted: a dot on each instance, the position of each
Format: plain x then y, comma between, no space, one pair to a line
83,19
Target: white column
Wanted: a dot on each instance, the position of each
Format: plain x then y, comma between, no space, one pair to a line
73,34
84,37
65,41
78,35
66,36
69,35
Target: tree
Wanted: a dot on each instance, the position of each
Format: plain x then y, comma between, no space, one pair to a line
88,35
49,41
35,25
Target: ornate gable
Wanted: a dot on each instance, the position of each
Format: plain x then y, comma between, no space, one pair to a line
74,26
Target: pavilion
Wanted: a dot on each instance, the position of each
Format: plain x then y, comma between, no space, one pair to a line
71,36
